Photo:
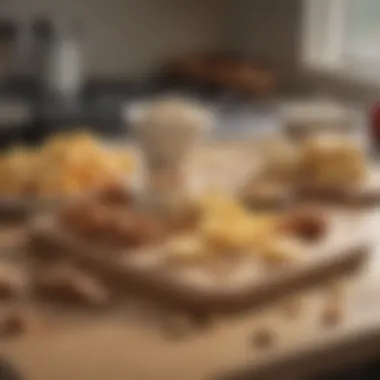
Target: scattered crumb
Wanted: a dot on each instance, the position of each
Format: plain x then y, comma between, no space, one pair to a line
333,312
15,322
263,338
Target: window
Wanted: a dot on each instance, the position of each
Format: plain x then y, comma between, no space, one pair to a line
343,36
362,30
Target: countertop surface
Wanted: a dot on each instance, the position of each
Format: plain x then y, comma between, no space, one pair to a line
132,341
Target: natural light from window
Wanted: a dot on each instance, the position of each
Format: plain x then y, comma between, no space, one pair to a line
362,30
342,37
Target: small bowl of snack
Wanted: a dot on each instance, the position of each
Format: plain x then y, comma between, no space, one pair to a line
64,167
323,166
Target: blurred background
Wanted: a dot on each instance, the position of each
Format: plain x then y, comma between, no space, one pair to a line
73,63
87,64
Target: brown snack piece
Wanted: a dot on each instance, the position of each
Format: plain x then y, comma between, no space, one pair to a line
88,219
71,285
115,194
148,229
102,222
15,322
122,230
307,224
96,222
73,215
332,314
12,281
133,229
263,338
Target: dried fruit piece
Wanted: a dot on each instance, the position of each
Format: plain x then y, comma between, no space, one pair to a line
332,314
309,225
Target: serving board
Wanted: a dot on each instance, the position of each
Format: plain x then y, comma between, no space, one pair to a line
197,288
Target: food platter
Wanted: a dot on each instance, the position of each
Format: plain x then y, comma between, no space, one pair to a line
199,289
179,229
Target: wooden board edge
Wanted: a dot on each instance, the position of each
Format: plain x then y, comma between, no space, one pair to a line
158,285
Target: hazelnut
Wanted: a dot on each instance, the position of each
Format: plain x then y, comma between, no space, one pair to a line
332,315
12,324
263,338
308,225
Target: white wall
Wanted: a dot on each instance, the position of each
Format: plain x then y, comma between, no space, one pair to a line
130,37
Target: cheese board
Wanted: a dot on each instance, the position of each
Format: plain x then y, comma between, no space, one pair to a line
199,288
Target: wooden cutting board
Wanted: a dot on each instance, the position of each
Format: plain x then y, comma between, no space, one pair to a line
198,289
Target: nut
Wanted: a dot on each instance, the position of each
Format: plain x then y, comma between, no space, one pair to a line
332,315
309,225
263,338
15,322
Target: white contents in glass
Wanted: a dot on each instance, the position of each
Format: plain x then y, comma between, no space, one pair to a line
168,132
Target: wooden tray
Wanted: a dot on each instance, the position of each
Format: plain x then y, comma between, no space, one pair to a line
199,290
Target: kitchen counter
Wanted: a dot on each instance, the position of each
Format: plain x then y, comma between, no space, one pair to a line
132,341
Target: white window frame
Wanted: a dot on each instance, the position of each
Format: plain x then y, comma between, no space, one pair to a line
322,43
